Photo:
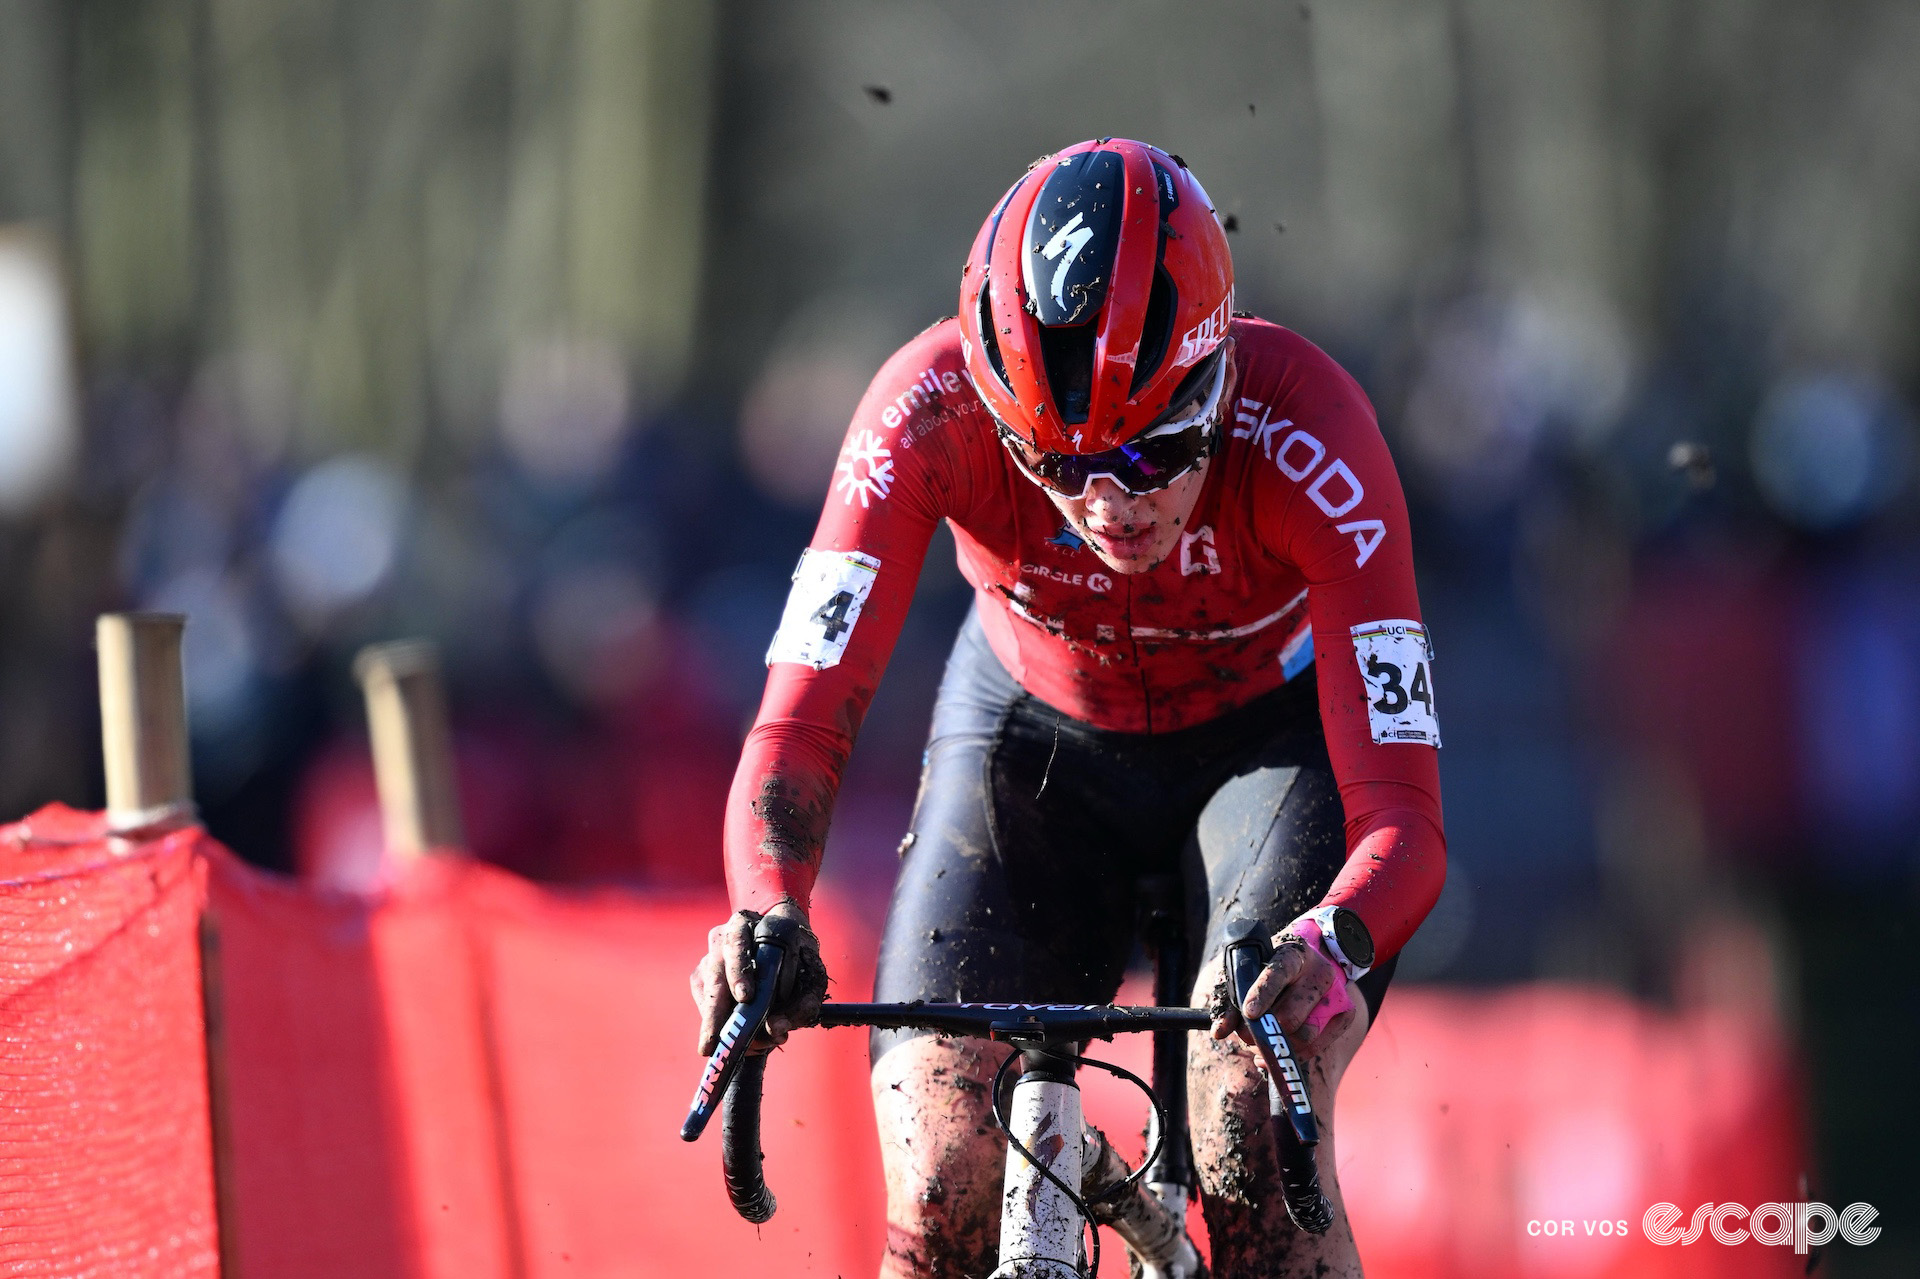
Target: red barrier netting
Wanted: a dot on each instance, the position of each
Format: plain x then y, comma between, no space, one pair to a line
1474,1123
472,1075
104,1145
476,1076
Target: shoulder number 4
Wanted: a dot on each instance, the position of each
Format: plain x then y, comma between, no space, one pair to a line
832,615
829,589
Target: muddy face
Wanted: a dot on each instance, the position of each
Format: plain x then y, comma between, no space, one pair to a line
1132,534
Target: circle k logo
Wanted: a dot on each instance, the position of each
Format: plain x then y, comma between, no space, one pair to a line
1799,1224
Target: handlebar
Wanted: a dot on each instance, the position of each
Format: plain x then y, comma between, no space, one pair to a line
735,1071
771,939
741,1160
1295,1134
1015,1022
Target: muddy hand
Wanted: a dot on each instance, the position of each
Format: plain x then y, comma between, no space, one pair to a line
724,977
1294,981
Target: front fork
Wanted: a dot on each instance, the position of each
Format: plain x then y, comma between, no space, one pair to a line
1040,1228
1040,1231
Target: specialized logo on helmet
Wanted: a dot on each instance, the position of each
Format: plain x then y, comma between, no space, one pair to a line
865,469
1070,238
1207,334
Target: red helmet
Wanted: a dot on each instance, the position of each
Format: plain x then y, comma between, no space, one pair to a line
1093,296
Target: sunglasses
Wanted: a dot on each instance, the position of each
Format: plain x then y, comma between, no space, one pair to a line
1145,464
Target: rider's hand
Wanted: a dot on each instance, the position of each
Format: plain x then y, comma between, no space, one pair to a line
724,977
1292,984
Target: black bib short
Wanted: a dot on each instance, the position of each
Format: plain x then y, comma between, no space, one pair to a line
1032,831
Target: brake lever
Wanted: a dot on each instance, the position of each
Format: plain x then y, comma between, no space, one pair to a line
1246,955
773,938
1248,952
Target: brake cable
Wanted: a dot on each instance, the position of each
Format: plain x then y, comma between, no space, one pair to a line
1112,1193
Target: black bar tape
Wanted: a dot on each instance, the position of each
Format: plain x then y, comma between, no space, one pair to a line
741,1158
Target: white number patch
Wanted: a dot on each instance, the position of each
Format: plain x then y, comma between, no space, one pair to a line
829,588
1396,661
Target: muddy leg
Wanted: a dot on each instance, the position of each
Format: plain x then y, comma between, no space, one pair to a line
944,1158
1239,1173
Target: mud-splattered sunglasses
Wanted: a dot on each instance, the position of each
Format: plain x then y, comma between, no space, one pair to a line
1149,462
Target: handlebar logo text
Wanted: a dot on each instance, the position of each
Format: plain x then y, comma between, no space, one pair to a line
728,1034
1289,1069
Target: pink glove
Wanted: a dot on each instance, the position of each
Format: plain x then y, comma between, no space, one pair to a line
1336,1000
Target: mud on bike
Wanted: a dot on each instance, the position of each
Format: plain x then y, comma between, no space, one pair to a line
1063,1178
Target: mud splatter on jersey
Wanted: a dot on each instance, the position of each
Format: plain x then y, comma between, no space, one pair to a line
1298,538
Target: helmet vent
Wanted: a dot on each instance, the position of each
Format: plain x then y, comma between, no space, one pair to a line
1067,351
1156,332
990,341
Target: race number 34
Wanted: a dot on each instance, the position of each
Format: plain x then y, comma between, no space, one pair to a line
1396,662
829,589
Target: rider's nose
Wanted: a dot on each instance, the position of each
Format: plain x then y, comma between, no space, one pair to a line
1107,501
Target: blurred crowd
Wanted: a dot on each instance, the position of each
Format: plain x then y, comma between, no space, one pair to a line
532,329
602,587
538,340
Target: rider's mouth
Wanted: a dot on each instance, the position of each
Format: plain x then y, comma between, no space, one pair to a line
1123,545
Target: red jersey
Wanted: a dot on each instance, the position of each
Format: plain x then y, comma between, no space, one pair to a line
1296,553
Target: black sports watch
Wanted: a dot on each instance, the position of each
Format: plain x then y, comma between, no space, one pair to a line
1348,943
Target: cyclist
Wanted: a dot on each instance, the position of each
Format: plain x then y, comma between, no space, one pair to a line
1195,647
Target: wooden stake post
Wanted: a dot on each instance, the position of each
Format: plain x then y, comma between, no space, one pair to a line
143,721
412,748
143,739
